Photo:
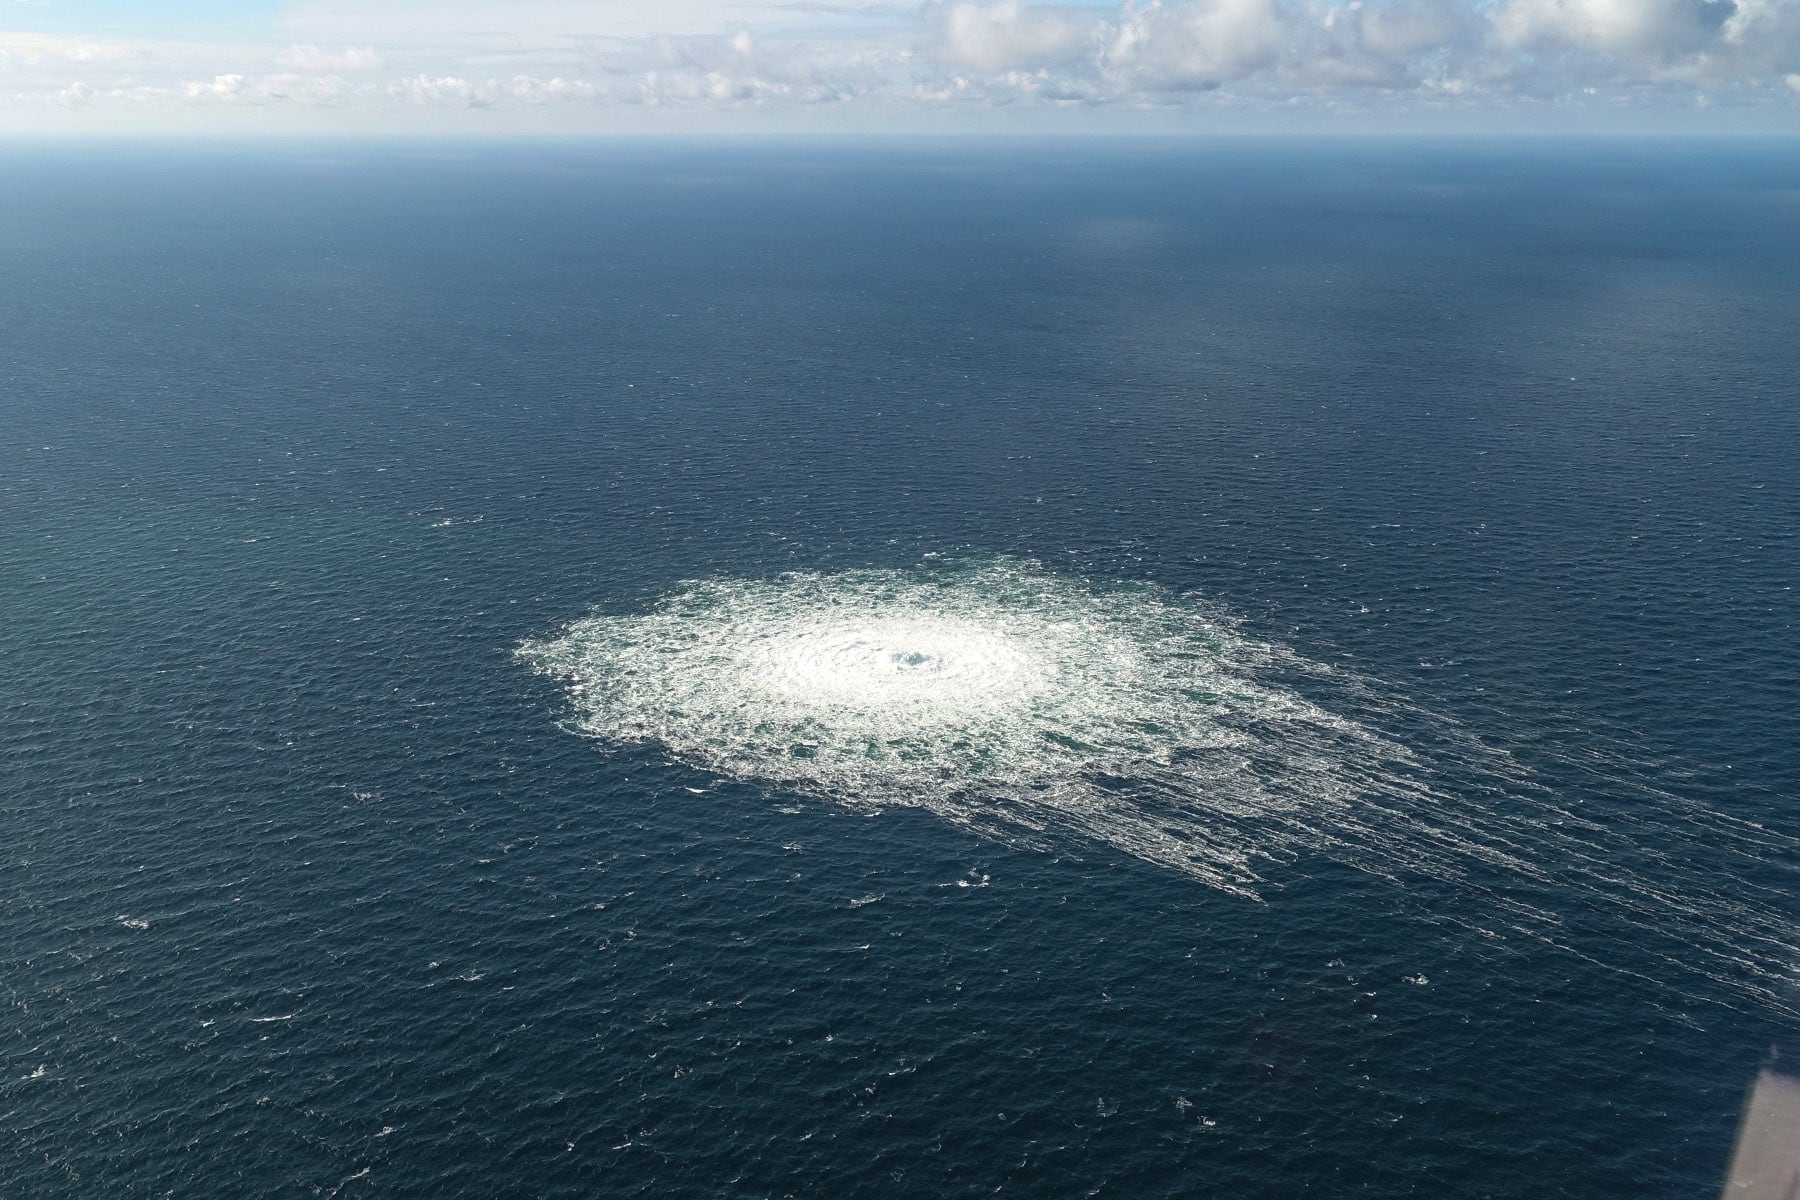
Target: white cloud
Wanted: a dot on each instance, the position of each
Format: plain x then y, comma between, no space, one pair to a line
1404,29
1655,29
568,66
309,58
1764,34
451,90
236,90
227,88
1007,34
552,91
1199,44
18,50
1696,42
535,22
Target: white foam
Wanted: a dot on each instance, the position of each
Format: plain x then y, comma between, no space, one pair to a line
1033,707
1000,697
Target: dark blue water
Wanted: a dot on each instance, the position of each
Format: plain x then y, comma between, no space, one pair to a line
306,888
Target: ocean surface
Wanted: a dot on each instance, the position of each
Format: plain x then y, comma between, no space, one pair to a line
1165,669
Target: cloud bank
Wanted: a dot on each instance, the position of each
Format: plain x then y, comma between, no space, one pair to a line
475,64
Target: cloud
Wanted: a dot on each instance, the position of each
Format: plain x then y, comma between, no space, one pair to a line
538,22
1670,41
25,50
1008,34
450,90
311,59
1287,50
238,91
1201,44
1402,30
567,65
555,90
1632,29
225,88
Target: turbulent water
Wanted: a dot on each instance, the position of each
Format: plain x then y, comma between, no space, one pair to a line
996,695
1033,707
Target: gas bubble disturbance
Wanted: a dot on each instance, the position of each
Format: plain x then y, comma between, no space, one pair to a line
1038,709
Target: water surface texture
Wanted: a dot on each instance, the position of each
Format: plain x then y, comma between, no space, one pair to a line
1227,669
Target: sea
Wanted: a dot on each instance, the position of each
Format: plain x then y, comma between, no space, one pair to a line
896,668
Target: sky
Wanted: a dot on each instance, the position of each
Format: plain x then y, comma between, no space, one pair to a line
562,67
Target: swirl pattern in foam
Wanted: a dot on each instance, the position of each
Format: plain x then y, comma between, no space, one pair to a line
1036,709
921,669
996,694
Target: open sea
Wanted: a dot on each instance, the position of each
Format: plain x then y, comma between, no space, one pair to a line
765,669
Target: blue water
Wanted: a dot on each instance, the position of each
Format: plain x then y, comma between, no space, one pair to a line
311,885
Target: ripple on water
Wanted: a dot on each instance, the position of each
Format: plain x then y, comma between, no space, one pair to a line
995,694
1035,707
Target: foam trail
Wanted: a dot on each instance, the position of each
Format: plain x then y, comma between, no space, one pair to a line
1034,708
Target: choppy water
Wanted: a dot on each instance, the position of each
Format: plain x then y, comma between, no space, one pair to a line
942,671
